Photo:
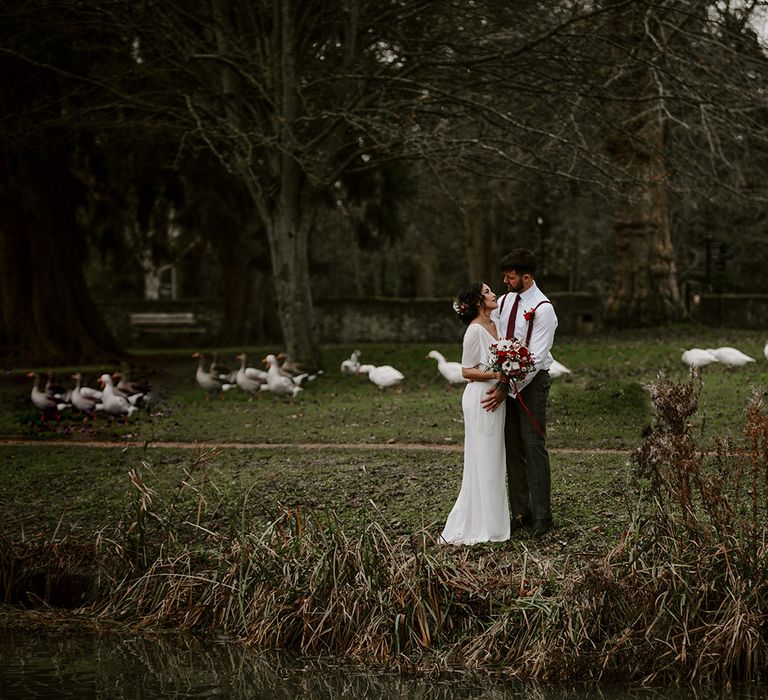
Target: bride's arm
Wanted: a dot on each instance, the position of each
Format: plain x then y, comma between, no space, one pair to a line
474,348
475,374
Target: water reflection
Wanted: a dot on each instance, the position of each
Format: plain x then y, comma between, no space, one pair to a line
111,666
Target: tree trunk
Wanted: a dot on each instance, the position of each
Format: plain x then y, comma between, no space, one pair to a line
644,290
288,212
288,235
47,315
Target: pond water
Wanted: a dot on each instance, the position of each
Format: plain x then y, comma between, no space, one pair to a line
112,666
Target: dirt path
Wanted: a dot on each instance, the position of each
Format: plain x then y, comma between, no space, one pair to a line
171,444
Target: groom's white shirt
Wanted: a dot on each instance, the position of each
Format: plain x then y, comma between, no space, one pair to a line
544,326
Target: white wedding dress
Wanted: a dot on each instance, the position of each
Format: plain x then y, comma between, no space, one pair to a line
481,512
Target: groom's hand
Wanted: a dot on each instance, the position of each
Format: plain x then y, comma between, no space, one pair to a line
493,399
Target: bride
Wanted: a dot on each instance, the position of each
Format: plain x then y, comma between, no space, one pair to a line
481,512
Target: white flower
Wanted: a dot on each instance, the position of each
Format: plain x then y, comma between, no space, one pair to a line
506,366
515,365
504,345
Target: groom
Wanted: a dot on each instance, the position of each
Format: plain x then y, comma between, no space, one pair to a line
525,313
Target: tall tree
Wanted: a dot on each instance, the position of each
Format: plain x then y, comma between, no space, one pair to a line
681,96
645,288
46,311
294,96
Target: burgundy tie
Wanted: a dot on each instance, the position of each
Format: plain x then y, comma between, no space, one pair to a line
513,318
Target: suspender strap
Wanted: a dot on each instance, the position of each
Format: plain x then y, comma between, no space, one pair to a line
530,323
513,317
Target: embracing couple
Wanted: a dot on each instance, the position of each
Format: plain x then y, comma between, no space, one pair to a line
504,421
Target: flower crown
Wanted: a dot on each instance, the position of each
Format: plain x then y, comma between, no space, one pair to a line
460,307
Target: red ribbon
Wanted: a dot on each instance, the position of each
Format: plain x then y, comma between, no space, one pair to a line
525,408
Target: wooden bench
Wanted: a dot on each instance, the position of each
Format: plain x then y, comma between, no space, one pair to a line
165,323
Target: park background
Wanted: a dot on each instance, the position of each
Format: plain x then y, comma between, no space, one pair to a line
323,176
280,170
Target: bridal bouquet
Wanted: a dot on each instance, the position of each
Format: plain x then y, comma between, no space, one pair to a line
512,359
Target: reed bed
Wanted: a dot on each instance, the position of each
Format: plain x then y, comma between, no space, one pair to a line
680,597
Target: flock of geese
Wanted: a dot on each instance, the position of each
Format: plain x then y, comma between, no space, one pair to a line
385,376
120,397
727,356
284,380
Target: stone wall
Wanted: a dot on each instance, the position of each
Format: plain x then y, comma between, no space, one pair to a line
417,320
377,320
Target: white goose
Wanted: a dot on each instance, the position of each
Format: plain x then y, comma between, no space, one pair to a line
207,381
115,404
731,357
450,370
83,397
251,382
278,383
43,401
696,357
383,376
300,373
351,366
558,370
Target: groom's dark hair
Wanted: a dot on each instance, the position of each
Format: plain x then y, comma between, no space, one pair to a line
521,260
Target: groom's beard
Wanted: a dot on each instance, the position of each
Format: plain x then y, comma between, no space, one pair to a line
516,288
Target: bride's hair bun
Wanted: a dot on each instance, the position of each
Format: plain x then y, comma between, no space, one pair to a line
466,301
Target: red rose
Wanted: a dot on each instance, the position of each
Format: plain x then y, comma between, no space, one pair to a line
528,315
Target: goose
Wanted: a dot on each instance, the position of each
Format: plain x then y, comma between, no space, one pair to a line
351,366
127,389
206,381
696,357
130,388
278,383
300,373
383,376
558,370
43,401
113,403
250,382
291,367
90,393
259,375
450,370
731,357
80,400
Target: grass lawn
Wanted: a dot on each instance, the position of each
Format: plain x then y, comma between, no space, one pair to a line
601,406
86,488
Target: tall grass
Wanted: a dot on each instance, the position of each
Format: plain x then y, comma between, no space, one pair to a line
683,597
680,597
